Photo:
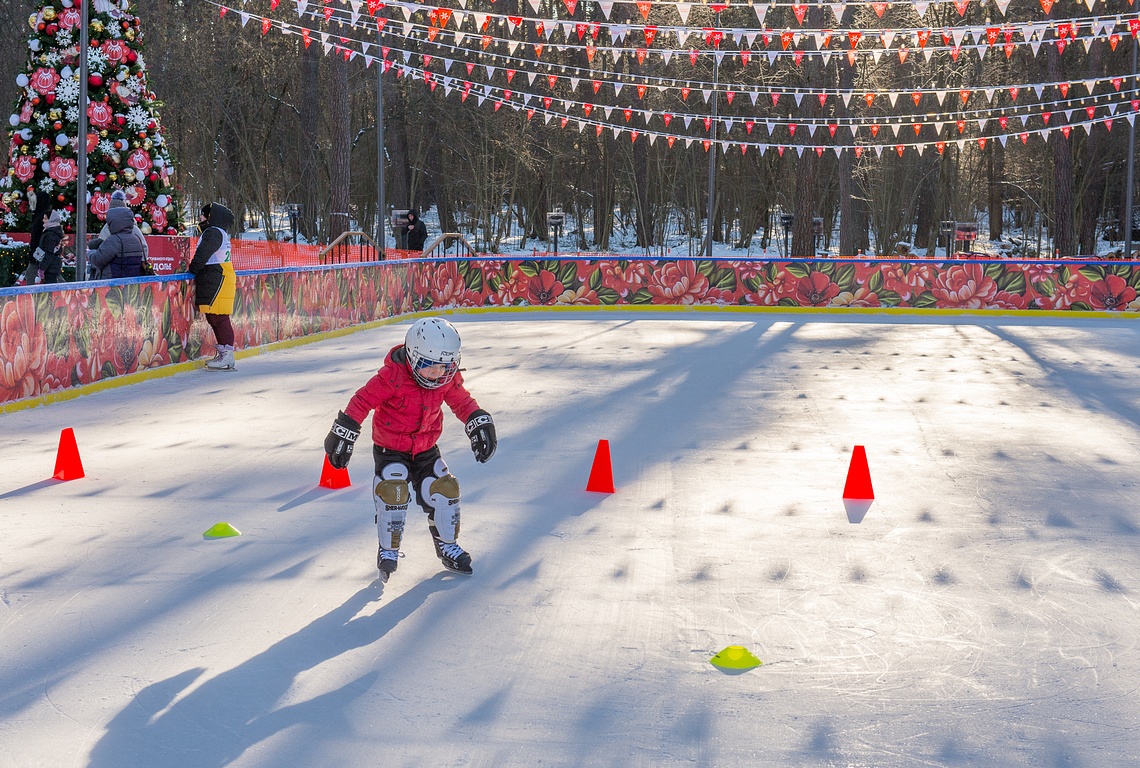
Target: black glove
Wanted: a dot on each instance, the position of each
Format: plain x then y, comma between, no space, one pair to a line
341,438
481,430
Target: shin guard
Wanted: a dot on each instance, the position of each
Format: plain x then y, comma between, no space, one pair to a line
442,497
391,494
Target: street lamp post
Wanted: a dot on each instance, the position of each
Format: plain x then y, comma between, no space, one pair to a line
712,149
556,219
81,149
786,221
1131,165
381,204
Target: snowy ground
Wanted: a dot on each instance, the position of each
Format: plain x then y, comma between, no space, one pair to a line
983,613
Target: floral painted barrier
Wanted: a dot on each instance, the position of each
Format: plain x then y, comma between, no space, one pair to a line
71,336
963,285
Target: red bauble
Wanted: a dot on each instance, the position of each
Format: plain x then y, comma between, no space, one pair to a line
61,197
50,98
51,29
121,120
101,178
95,80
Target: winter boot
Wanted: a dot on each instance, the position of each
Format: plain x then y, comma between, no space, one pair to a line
224,361
387,560
453,557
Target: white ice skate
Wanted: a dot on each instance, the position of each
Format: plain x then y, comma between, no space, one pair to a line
223,361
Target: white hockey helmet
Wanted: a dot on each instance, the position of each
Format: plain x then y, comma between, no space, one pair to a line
432,341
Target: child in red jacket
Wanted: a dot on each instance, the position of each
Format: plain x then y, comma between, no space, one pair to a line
406,397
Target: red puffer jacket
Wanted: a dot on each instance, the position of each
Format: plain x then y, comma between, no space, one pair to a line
407,417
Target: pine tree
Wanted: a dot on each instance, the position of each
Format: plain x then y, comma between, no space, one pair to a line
125,145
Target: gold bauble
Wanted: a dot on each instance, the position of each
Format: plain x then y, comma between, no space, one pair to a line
49,13
129,174
129,34
96,26
103,134
148,144
112,175
32,21
54,114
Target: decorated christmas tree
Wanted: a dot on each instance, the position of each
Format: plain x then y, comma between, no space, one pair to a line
125,146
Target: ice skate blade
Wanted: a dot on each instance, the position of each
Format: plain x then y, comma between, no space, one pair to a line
218,370
452,569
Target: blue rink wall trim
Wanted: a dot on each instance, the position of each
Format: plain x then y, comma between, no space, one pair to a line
177,368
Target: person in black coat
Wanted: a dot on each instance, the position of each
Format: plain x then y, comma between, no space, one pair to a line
417,231
38,203
121,253
48,254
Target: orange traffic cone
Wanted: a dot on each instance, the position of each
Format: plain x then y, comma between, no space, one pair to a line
601,474
858,477
858,495
331,477
67,463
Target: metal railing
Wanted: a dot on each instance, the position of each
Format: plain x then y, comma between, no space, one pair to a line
350,247
439,245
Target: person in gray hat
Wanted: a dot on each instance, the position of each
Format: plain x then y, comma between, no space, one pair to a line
118,200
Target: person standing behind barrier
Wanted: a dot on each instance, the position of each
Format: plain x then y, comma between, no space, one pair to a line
121,253
119,200
47,255
215,283
417,231
38,206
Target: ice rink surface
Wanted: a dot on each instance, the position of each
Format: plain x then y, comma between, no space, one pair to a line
984,612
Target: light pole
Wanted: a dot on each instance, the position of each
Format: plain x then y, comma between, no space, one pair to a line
712,146
381,205
81,149
1131,166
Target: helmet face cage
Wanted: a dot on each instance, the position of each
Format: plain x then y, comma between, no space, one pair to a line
431,342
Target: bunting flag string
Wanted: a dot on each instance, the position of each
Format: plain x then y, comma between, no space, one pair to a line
1119,103
488,91
649,81
619,80
784,42
987,34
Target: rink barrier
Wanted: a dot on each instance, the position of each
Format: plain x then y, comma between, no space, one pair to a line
60,342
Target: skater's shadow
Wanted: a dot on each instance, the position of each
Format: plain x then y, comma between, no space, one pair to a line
216,722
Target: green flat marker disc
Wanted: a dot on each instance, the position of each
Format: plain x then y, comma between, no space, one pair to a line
735,657
221,531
